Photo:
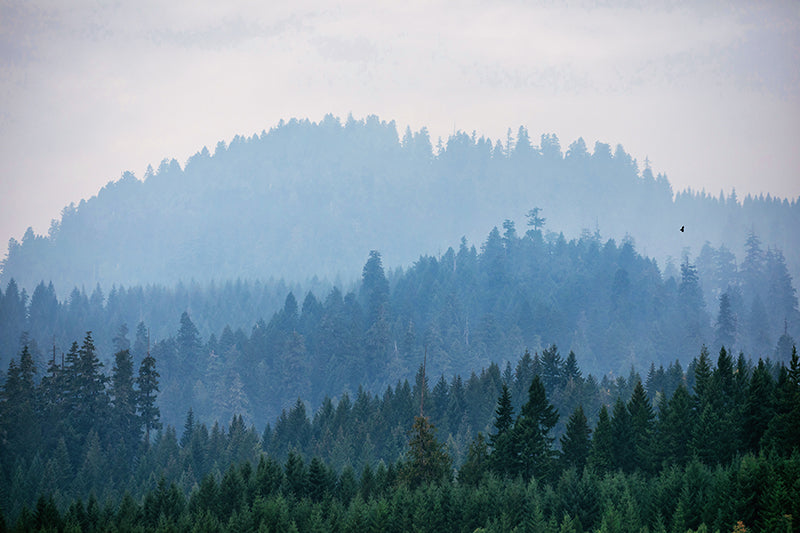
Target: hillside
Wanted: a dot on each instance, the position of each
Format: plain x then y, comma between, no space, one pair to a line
312,199
223,350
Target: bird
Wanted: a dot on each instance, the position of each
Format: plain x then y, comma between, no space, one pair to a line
682,229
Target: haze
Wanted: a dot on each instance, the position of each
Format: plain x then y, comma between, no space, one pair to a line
710,94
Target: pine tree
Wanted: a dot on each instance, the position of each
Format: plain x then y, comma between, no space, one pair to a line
320,482
726,324
501,442
642,417
188,343
125,422
91,400
188,429
532,440
783,433
427,460
674,429
601,456
576,442
476,464
19,423
296,475
623,453
147,381
375,289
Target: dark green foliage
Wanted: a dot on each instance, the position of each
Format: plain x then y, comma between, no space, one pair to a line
147,381
126,424
221,479
622,453
427,460
783,432
503,455
674,429
601,456
759,407
642,425
576,442
533,443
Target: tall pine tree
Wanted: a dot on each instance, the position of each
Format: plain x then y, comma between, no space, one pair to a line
147,381
532,440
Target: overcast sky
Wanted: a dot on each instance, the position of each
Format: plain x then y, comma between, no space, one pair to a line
709,92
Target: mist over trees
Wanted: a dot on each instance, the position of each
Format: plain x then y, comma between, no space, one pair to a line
223,354
311,199
229,369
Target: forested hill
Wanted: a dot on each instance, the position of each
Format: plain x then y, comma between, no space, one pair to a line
465,309
311,199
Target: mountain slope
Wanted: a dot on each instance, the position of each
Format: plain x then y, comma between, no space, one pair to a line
311,199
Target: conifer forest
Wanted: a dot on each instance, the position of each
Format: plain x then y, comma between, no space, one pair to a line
550,376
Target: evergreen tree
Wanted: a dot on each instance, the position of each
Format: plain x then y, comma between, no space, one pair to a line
752,267
188,429
726,324
576,442
141,343
147,381
91,400
623,453
532,440
296,475
601,456
427,460
124,420
693,317
552,371
476,464
759,407
501,441
320,480
188,342
375,289
674,428
783,433
19,424
641,417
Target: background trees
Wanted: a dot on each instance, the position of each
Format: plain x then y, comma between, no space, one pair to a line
468,309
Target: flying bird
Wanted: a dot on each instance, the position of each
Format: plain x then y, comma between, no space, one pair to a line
682,229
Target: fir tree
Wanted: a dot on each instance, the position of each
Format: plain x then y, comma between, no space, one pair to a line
125,421
576,442
641,417
501,441
601,456
427,460
532,440
147,381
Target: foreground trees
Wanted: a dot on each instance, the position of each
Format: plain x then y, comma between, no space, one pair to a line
370,464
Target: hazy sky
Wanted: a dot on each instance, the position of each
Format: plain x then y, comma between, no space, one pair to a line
709,92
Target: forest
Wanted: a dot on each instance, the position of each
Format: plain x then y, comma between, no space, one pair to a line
460,311
308,199
715,448
584,366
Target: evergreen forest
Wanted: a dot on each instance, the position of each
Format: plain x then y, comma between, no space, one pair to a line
196,350
308,199
712,448
460,312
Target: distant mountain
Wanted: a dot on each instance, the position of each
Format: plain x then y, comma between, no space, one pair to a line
312,199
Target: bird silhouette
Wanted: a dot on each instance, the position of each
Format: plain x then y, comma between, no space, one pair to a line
682,229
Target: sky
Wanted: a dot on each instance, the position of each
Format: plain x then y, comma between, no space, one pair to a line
707,92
